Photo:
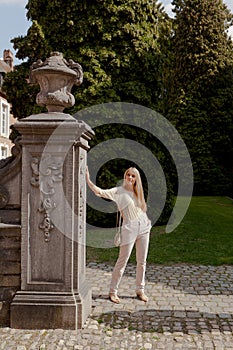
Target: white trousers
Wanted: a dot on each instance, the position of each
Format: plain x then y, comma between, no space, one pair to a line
139,233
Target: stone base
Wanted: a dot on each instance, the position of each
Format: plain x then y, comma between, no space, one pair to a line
50,310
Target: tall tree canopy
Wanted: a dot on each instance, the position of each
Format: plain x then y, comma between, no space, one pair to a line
199,87
130,52
116,42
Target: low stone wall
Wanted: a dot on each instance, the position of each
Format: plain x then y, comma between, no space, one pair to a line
10,257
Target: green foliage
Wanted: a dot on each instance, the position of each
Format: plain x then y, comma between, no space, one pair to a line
117,44
202,47
33,46
131,51
20,94
111,174
199,90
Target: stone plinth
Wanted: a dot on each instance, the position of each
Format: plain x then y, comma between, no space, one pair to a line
54,291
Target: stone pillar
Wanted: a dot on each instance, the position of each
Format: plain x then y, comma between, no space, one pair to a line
54,291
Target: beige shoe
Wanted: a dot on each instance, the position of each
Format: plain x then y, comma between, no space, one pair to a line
142,296
114,298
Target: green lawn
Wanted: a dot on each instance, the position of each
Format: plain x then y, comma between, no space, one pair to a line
205,236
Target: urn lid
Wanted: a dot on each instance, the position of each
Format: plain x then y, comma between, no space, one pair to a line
55,62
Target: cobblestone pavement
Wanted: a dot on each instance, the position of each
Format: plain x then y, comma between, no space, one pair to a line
190,307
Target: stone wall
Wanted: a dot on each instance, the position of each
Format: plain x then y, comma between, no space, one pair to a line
10,256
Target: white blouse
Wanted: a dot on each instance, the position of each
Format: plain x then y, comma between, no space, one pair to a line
126,201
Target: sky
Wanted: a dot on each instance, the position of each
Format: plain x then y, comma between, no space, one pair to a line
13,21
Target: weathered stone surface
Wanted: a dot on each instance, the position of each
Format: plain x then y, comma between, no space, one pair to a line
10,186
44,181
9,238
54,260
10,216
10,269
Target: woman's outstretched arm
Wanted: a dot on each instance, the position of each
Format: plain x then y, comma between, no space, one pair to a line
107,194
92,186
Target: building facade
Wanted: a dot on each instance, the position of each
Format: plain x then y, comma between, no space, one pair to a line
6,118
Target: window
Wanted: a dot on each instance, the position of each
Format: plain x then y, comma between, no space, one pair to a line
1,79
3,152
4,120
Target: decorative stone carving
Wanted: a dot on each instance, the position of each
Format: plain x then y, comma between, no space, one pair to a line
56,77
35,172
46,174
46,206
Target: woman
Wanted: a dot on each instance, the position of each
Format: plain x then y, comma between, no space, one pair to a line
135,228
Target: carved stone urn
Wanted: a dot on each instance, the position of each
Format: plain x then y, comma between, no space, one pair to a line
56,78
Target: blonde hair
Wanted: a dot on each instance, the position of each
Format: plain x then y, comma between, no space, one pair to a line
137,188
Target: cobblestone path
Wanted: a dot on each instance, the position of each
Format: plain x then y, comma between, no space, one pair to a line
190,307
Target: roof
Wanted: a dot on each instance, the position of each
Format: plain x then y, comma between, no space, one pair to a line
4,68
2,94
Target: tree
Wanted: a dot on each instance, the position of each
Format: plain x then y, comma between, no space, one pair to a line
20,94
116,42
199,94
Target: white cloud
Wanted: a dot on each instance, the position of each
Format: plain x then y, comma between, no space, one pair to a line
168,9
230,32
229,4
13,2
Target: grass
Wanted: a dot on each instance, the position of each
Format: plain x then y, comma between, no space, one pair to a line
205,236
